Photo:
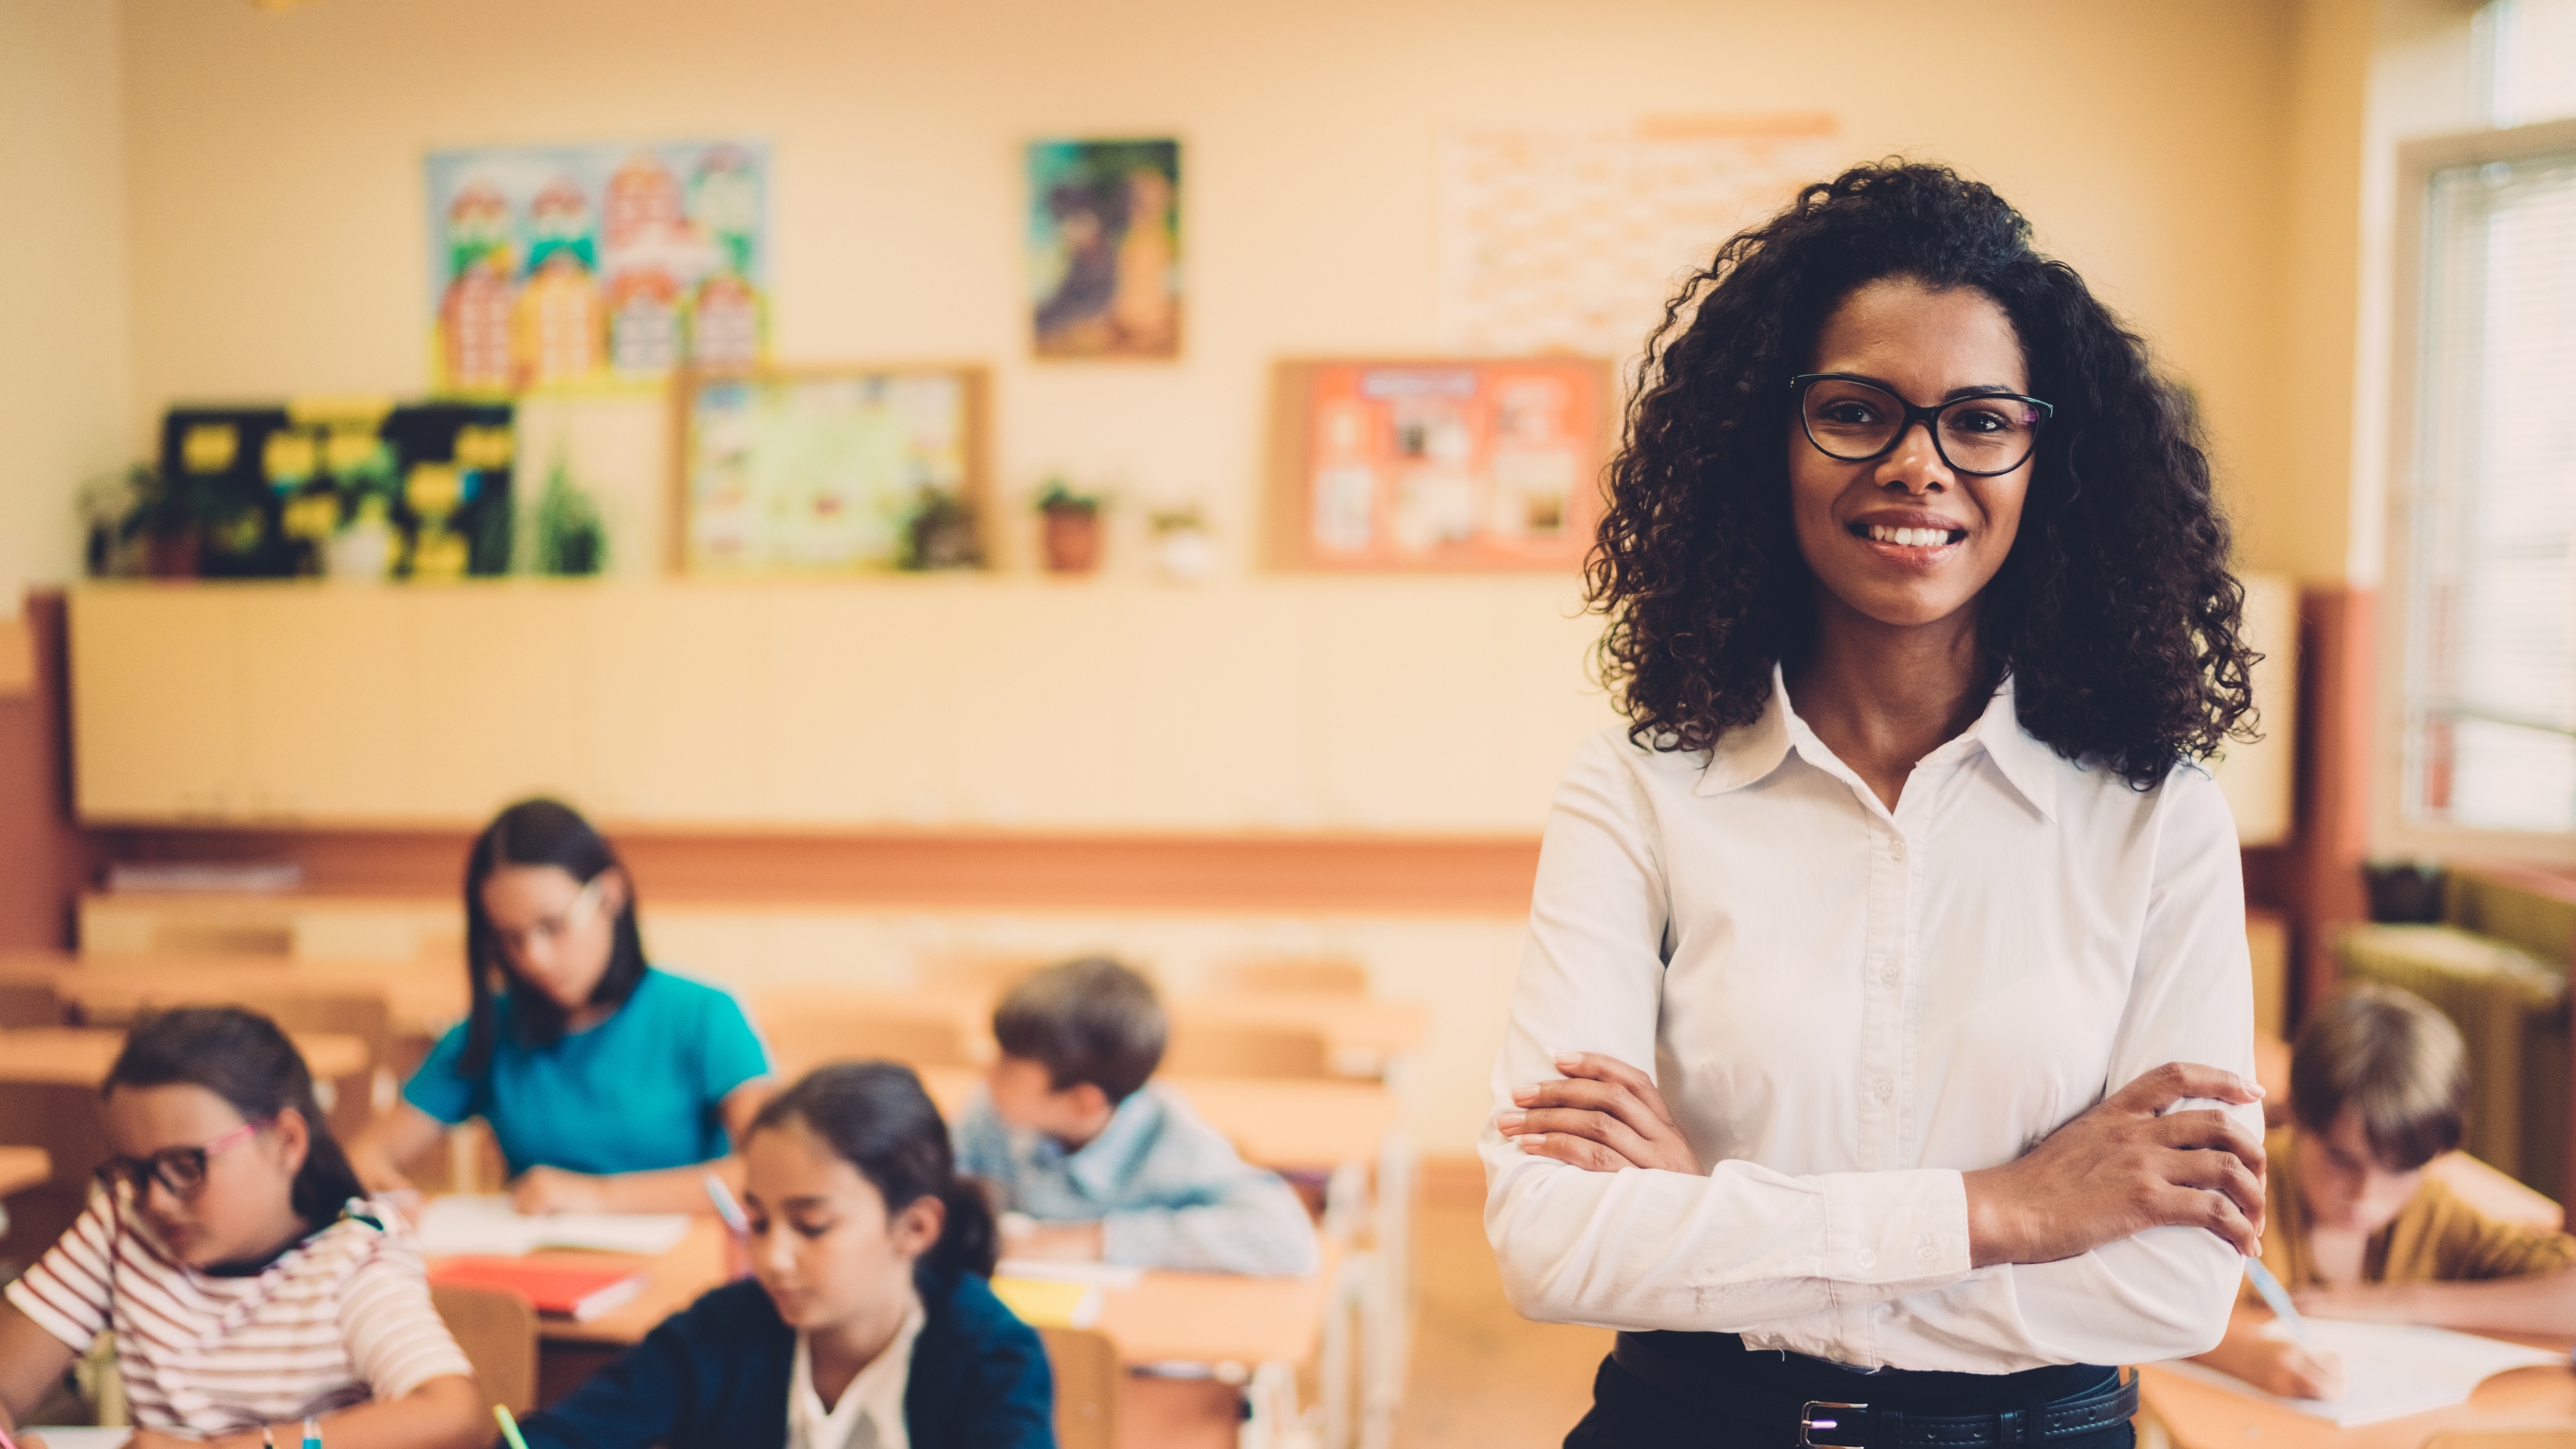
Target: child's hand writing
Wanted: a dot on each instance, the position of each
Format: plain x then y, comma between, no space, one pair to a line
2294,1370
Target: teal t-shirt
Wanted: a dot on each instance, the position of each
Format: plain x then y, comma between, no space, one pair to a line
641,1091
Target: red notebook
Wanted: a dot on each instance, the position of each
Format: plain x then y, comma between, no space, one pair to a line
577,1293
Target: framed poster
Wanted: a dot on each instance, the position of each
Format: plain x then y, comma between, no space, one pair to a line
828,470
1438,464
568,267
1104,240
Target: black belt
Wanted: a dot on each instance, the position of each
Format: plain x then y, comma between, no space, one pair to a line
1856,1423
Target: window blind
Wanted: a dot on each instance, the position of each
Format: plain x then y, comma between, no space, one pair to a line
2491,662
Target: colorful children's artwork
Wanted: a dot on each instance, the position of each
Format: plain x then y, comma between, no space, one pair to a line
1574,237
582,266
1461,464
1105,248
842,470
347,487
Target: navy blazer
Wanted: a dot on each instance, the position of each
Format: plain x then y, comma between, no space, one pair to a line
714,1376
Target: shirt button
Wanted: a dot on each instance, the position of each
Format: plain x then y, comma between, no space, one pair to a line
1882,1088
1889,975
1866,1258
1896,848
1925,1255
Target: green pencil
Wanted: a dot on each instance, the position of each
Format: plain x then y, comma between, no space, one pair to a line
509,1426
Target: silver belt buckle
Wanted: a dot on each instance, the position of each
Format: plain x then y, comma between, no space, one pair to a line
1809,1423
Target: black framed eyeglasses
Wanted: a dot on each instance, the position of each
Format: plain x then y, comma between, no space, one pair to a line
1854,420
180,1169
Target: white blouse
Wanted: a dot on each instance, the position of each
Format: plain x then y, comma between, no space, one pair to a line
1847,1007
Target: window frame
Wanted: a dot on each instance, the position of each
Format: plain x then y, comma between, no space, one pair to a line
2394,834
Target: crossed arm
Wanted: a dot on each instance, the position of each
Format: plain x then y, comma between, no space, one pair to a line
2128,1164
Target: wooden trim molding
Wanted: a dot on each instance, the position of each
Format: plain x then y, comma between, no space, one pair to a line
1361,875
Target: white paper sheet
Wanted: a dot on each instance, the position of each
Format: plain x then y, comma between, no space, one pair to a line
77,1436
2393,1369
1101,1275
488,1227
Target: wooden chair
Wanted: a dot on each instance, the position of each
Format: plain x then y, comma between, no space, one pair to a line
497,1329
1088,1380
805,1030
29,1003
1235,1049
1292,976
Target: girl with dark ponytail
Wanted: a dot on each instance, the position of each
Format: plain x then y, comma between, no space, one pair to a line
868,1300
230,1250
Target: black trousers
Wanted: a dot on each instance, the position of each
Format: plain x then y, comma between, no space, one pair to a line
1629,1413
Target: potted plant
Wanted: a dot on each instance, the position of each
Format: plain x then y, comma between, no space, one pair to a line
168,518
1182,547
1072,527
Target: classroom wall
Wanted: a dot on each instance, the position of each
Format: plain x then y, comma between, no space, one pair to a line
66,405
276,184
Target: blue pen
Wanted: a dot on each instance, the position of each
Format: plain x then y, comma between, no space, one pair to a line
312,1433
2277,1298
726,1207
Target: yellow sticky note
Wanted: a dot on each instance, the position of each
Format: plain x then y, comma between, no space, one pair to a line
1049,1303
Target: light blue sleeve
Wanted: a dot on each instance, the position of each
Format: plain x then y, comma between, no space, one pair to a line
730,1053
983,1146
436,1088
1203,1209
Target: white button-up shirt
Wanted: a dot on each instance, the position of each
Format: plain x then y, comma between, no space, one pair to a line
1846,1007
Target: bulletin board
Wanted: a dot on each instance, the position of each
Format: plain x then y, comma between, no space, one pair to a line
1438,464
823,470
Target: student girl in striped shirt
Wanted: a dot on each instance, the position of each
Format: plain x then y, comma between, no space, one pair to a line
229,1249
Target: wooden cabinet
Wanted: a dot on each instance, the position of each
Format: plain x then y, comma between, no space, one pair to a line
1434,706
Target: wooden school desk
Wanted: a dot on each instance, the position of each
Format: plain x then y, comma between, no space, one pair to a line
1253,1331
422,999
1366,1030
23,1167
1348,1129
2202,1416
80,1056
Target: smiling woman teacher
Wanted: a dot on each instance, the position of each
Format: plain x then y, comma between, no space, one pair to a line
610,1084
1881,1054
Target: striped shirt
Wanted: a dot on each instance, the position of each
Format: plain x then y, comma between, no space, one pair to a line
338,1319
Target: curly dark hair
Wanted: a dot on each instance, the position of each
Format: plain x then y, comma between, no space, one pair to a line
2114,610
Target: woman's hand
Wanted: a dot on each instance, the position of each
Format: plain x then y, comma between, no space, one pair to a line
2121,1169
553,1190
1602,1116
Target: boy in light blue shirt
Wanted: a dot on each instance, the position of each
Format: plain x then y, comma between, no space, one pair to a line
1071,1134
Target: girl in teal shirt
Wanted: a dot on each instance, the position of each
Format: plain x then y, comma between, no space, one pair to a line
610,1085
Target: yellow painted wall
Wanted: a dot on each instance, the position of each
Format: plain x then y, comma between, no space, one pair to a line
277,198
65,407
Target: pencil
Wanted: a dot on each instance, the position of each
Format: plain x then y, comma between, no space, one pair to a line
509,1426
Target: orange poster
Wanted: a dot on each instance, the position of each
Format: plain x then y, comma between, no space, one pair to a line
1465,464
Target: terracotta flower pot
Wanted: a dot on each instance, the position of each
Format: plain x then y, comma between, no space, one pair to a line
1072,540
173,555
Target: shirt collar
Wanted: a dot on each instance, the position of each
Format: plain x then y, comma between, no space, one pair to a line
877,1392
1100,1165
1752,752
